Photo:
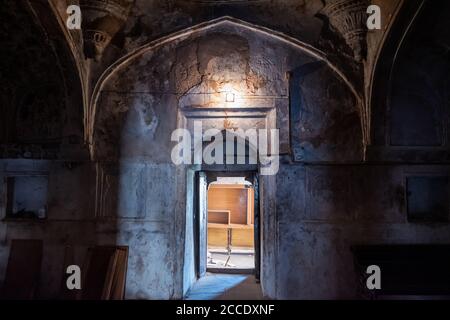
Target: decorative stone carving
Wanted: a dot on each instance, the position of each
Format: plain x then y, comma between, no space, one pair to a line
349,17
102,19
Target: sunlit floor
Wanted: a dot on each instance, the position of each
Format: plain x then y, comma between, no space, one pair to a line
239,259
225,287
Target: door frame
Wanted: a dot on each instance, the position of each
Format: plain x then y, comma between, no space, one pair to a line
251,174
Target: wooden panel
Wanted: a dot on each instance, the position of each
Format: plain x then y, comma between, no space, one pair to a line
98,260
105,276
238,199
228,226
219,216
233,199
243,238
23,270
69,259
240,237
217,237
250,206
228,186
119,279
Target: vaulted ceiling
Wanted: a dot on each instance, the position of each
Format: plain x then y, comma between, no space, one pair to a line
50,60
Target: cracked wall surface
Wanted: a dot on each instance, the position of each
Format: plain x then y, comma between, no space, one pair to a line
326,197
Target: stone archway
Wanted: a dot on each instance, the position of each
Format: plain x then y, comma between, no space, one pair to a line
172,82
179,36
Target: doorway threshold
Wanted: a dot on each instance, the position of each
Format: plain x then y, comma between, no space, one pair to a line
231,270
225,287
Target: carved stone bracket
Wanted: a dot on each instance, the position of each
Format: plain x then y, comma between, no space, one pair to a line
102,19
349,18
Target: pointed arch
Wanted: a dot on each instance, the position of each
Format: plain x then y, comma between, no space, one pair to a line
211,24
404,18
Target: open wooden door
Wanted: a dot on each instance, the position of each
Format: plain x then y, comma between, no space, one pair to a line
203,223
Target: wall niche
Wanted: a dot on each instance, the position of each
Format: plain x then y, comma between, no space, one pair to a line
428,198
26,196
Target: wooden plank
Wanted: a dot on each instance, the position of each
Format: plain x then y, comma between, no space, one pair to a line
64,293
243,238
219,216
240,238
123,278
217,237
118,289
23,270
98,261
116,292
110,275
232,199
229,226
106,268
228,186
80,294
250,205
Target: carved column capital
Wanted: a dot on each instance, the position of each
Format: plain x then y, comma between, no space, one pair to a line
102,19
349,17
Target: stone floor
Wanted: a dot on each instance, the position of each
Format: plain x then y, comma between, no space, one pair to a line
225,287
239,260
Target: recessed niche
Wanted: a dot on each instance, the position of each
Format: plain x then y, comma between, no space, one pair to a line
428,198
26,196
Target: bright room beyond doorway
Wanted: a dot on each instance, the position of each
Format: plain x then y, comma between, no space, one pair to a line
231,226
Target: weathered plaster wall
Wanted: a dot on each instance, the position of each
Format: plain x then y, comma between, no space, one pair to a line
138,207
323,200
71,192
41,127
41,96
150,20
146,100
410,112
325,118
312,212
196,71
162,18
376,38
324,210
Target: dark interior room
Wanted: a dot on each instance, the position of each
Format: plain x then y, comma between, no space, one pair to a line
225,150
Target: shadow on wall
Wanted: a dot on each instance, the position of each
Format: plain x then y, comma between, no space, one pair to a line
140,107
